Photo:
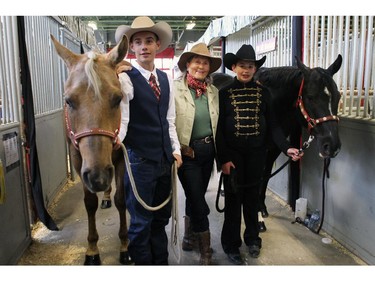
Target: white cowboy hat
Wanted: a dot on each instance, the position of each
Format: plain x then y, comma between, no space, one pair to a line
161,29
199,49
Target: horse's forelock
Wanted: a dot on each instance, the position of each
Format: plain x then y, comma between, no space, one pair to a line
92,75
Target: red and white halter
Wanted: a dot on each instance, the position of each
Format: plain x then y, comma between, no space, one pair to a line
75,137
311,122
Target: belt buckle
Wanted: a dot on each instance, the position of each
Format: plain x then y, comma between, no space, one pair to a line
207,139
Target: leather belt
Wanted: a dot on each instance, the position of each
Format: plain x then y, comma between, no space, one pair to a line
207,139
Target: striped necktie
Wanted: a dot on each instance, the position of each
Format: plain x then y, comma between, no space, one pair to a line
154,86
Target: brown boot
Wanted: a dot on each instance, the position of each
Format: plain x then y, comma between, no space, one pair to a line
205,247
189,239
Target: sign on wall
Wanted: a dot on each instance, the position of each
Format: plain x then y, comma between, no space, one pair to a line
266,46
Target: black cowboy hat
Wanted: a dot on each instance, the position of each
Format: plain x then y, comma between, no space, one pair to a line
246,52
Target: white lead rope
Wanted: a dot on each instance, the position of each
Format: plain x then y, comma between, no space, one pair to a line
175,234
134,188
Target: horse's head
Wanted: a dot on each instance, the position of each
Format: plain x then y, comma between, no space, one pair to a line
92,95
319,104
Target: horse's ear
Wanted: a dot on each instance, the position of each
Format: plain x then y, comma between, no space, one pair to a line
68,56
335,66
118,53
305,70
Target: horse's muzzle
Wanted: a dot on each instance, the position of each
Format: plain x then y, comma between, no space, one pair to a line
329,150
97,180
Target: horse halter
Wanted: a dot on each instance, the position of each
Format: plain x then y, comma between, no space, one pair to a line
311,122
75,137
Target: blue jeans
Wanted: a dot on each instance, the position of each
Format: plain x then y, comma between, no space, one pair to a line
148,239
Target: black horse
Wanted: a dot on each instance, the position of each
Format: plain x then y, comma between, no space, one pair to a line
301,97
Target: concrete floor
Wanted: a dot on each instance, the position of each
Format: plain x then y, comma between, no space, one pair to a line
284,243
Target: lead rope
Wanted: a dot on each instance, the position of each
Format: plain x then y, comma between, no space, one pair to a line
175,234
134,188
327,161
305,145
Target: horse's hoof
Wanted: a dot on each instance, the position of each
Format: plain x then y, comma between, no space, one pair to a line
106,204
262,226
93,260
125,258
264,213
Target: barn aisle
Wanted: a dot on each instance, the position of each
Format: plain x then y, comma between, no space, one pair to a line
284,243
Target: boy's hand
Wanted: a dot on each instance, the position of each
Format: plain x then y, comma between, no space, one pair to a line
123,66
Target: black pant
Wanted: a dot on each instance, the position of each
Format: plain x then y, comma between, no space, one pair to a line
194,175
249,170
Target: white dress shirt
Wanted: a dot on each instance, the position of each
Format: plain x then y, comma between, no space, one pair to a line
128,94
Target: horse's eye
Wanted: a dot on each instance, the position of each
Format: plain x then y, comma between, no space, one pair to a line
309,97
69,102
116,101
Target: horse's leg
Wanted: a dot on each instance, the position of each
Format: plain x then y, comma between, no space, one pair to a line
106,200
272,155
92,253
261,225
120,204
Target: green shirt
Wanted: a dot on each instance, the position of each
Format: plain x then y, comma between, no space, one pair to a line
202,121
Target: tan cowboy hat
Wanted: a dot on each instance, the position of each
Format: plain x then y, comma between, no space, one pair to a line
161,29
246,52
199,49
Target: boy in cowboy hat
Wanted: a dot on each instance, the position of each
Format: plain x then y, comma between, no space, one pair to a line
245,123
149,134
197,112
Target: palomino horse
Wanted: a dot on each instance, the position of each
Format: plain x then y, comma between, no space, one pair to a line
92,116
301,96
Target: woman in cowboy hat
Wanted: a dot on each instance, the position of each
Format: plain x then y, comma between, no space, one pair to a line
197,112
245,123
149,134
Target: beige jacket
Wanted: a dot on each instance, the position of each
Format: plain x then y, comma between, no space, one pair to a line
185,109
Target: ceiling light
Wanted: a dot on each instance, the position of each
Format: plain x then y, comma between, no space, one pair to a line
190,25
93,25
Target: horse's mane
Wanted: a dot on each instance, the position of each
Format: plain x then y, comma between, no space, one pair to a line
278,77
92,75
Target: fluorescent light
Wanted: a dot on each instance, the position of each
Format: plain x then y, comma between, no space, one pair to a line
93,25
190,25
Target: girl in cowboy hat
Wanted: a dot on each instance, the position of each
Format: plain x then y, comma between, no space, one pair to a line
245,123
197,112
149,134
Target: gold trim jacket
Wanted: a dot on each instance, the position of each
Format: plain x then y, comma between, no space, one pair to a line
246,120
185,109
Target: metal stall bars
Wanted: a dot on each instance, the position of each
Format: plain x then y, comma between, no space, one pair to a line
9,74
15,235
271,36
353,38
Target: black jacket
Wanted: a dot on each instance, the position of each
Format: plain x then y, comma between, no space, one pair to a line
246,120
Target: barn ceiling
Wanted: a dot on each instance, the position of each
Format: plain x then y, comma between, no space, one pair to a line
107,25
